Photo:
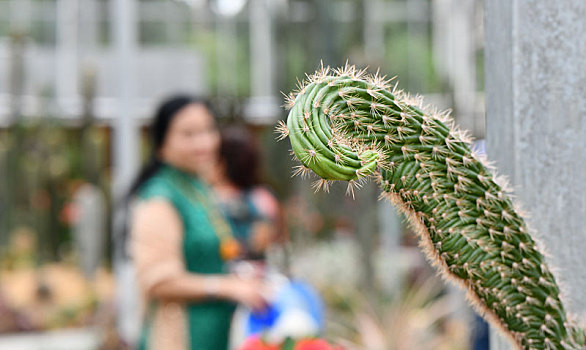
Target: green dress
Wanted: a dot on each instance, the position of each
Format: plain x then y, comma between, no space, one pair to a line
208,322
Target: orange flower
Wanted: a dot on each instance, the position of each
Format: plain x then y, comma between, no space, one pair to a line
314,344
230,249
256,343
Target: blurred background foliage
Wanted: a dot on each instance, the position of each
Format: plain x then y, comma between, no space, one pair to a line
50,148
305,33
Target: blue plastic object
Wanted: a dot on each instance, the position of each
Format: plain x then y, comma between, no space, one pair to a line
296,295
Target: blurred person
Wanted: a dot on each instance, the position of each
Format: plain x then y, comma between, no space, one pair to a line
180,241
252,210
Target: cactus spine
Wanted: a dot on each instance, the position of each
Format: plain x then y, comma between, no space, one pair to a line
346,125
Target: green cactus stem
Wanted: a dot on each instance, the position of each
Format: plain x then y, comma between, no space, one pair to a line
346,125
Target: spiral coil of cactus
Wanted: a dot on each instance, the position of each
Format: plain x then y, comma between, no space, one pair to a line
346,125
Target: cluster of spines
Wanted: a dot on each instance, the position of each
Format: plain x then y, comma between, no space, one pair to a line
462,211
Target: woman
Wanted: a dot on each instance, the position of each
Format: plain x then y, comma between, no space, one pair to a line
179,237
252,211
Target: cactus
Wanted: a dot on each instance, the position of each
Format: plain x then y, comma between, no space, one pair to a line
346,125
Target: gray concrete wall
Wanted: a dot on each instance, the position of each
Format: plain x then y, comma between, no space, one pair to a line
536,124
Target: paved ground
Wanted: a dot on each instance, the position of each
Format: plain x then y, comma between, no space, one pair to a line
74,339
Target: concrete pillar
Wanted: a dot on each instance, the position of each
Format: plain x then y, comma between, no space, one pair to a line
455,31
374,30
536,125
417,11
89,17
88,230
66,62
263,106
261,48
20,16
124,14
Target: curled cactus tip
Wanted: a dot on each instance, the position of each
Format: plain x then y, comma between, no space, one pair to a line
346,125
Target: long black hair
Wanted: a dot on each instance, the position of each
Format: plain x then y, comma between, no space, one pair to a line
163,117
165,114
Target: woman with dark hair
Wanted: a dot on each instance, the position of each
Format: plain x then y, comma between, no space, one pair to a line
252,210
180,241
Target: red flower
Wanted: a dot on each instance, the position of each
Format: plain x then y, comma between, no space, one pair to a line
256,343
314,344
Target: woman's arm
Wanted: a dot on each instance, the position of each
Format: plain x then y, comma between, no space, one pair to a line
157,233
